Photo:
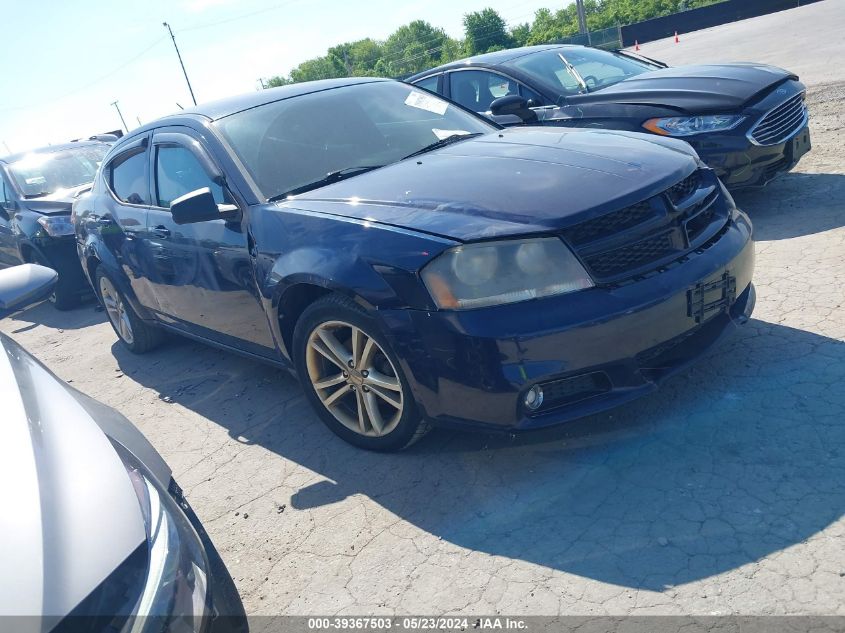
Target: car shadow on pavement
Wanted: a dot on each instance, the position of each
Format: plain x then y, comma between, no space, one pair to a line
82,316
739,457
794,205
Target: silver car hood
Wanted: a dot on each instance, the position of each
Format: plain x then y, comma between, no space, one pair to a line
68,512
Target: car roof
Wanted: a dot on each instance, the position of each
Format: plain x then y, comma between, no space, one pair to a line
49,149
230,105
492,59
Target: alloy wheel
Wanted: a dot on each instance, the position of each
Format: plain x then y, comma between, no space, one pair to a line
116,310
354,378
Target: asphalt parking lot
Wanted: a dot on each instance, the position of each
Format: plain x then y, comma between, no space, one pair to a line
722,493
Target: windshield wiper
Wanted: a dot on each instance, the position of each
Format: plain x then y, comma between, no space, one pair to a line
443,142
329,178
574,73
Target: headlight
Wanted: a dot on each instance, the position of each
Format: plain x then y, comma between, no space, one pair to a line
56,225
176,586
495,273
691,125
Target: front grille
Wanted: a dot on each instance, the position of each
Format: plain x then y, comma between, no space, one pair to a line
609,223
639,238
781,122
633,256
683,189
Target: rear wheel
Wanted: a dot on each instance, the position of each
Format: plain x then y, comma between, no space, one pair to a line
352,377
62,297
135,334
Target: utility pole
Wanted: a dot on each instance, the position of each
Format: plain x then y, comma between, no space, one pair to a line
181,63
582,20
7,147
120,114
261,81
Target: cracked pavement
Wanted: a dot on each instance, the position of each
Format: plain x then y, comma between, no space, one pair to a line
722,493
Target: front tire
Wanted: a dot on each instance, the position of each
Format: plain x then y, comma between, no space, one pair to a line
138,336
353,379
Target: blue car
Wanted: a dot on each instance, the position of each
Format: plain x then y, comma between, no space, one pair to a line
412,262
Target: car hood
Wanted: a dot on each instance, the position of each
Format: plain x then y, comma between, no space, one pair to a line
510,182
58,202
693,89
70,514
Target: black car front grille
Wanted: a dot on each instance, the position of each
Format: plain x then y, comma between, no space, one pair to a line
781,122
622,244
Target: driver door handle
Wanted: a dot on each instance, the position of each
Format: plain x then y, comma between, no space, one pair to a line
160,231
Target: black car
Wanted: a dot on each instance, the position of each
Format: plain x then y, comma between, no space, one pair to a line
748,122
414,262
37,189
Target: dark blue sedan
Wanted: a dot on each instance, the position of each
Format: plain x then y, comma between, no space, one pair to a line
414,263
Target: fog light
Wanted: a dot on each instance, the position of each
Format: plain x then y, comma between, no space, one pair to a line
534,397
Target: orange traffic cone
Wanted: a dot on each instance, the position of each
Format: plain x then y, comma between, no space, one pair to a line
636,45
676,38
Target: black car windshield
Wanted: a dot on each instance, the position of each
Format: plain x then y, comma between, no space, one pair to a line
44,173
289,144
597,68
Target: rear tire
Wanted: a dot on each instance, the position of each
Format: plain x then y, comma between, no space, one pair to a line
364,398
135,334
62,298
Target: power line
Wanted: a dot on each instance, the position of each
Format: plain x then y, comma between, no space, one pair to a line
91,83
275,7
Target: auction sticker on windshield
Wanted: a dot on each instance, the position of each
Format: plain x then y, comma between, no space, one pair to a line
426,102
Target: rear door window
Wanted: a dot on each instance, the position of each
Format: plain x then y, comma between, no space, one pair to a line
128,178
477,89
429,83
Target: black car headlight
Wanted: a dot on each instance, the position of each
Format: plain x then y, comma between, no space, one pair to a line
56,225
495,273
692,125
175,592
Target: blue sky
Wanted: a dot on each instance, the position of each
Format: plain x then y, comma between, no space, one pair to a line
65,61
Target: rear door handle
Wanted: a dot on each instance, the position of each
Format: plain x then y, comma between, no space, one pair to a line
160,231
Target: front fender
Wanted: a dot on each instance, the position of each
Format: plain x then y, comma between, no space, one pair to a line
374,265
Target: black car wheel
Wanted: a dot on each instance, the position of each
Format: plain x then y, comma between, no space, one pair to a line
352,377
61,297
134,333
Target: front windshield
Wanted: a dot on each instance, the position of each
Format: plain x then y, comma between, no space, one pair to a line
291,143
599,69
45,173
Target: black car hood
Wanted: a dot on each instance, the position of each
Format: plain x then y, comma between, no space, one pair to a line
517,181
692,89
56,203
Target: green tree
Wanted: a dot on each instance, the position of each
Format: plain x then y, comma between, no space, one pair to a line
485,30
412,48
520,34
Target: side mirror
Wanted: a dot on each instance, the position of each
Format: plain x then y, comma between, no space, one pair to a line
515,105
25,285
199,206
